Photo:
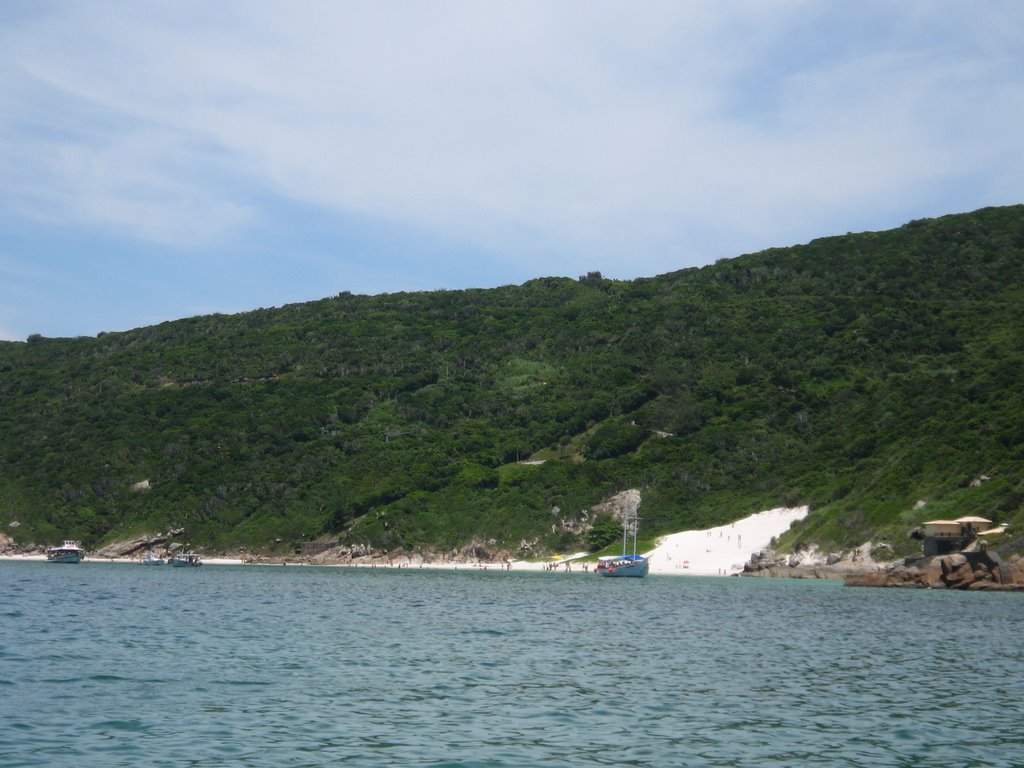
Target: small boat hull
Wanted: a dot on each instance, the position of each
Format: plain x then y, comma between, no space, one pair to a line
65,557
625,568
186,561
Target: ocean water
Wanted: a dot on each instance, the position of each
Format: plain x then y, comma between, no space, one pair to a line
121,665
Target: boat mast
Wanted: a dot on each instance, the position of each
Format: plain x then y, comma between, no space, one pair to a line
627,523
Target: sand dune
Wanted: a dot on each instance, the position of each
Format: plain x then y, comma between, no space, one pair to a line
723,550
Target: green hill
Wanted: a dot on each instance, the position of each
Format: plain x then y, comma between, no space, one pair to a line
874,376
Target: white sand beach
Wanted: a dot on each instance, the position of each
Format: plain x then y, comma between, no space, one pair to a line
721,551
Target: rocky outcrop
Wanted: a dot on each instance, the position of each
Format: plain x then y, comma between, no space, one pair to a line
344,554
136,546
811,563
960,570
476,551
621,506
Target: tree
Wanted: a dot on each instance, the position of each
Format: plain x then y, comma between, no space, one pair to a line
604,531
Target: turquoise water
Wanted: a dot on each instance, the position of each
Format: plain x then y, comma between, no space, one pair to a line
117,665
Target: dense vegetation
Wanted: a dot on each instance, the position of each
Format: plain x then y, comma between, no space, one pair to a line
861,375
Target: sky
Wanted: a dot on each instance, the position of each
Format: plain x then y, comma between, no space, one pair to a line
160,160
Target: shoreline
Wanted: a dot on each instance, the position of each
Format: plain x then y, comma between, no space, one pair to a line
517,565
719,551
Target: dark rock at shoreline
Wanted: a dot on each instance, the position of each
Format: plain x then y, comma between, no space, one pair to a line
809,564
960,570
7,544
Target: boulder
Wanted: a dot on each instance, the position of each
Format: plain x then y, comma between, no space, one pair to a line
932,574
1015,570
951,563
957,572
876,579
972,570
764,563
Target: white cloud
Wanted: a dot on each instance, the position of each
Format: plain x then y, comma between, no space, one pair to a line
521,128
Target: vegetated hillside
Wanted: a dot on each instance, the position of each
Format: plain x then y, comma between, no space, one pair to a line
861,374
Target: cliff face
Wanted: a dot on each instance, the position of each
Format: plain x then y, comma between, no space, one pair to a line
961,570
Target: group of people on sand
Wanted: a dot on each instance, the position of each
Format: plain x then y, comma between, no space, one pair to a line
566,565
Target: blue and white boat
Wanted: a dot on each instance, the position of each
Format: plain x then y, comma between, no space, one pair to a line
625,564
68,552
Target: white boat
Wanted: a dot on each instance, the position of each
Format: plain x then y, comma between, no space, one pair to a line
626,564
186,560
68,552
151,558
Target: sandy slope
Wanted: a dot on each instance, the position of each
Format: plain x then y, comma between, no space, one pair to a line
723,550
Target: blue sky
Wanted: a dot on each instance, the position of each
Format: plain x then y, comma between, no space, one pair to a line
166,159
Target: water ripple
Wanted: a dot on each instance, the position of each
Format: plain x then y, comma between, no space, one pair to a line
271,667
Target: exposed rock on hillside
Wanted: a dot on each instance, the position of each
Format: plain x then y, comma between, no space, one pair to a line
620,506
130,547
476,551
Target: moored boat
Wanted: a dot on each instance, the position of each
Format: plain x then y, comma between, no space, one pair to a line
622,565
626,564
151,558
186,560
68,552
